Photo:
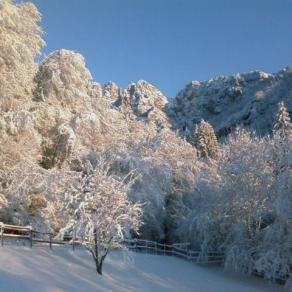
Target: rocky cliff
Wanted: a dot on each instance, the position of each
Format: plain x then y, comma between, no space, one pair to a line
249,100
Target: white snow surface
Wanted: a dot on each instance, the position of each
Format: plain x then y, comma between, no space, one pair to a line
62,269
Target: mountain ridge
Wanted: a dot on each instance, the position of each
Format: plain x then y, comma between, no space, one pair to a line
249,100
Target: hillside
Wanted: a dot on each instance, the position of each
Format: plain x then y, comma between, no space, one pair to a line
40,269
249,100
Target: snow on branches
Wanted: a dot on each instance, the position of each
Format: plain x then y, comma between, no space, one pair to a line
100,213
206,140
283,126
20,43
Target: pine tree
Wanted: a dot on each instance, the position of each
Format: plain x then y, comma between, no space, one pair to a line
283,126
206,140
282,132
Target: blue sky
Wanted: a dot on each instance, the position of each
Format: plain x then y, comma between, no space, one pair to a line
170,42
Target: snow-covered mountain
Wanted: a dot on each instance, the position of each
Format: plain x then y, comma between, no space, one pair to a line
249,100
145,102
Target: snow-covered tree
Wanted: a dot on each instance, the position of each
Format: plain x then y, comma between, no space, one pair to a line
199,217
283,126
101,215
232,201
247,194
275,249
166,167
206,140
62,76
28,193
20,43
282,134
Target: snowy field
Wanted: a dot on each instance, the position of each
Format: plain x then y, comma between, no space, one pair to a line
40,269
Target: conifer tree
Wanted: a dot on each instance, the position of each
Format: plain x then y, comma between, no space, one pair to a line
283,126
206,140
282,132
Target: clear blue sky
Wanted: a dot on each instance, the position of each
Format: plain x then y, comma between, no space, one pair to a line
170,42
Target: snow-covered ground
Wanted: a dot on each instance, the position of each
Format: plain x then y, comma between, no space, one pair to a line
40,269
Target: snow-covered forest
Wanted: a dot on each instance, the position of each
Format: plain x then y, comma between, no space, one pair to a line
111,163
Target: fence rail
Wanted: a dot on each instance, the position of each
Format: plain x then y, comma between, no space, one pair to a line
147,246
27,233
181,250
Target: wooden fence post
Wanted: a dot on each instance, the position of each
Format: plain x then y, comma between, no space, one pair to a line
164,249
30,237
2,232
73,239
50,240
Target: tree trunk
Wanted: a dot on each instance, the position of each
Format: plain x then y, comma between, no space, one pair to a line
99,267
98,263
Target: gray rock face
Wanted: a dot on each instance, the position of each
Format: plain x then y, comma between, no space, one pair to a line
111,91
144,98
143,101
249,100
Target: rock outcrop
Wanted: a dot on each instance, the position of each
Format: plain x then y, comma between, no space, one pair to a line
144,102
249,100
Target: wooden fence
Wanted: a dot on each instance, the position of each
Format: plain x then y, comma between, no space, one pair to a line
180,250
147,246
27,233
14,231
212,257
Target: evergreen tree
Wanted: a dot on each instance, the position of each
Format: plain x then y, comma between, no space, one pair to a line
282,132
206,140
283,126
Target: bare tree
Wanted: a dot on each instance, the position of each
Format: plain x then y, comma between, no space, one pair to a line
101,215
